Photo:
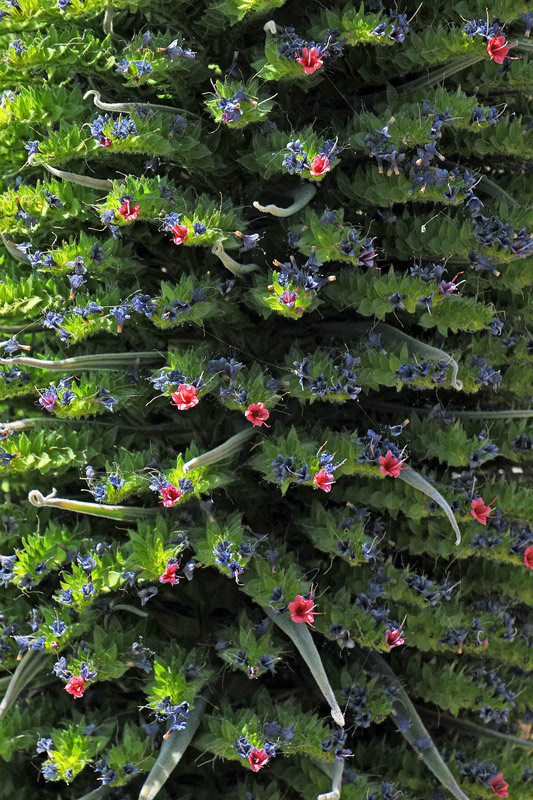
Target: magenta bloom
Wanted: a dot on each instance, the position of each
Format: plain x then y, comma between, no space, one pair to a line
389,465
128,211
497,48
185,397
75,686
301,609
257,414
170,495
257,759
480,511
310,60
323,480
319,166
528,557
169,575
105,141
394,638
180,233
499,786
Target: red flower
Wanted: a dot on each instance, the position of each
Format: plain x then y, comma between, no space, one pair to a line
323,480
528,557
497,48
310,60
319,166
499,786
480,511
390,466
180,233
394,638
170,495
75,686
257,414
169,575
257,759
127,211
105,141
185,397
301,610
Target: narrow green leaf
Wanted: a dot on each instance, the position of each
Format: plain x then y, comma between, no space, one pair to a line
416,480
301,637
171,753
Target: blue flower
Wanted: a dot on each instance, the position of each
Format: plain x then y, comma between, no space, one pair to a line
32,147
18,46
58,628
123,67
43,746
49,771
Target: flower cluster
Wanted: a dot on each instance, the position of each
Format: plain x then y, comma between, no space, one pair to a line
297,159
54,395
484,773
409,373
257,757
487,375
399,27
232,109
319,386
336,744
75,684
297,283
169,493
175,716
225,557
311,55
375,447
429,590
121,129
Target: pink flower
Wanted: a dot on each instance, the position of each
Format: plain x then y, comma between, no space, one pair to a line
499,786
319,166
310,60
127,211
394,638
301,610
323,480
185,397
390,466
497,48
257,414
169,575
105,141
75,686
170,495
528,557
480,511
257,759
180,233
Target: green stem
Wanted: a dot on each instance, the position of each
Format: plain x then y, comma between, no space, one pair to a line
14,251
81,180
302,196
298,632
97,794
224,450
415,346
127,108
234,267
335,772
474,730
32,663
171,752
414,479
126,513
403,707
100,361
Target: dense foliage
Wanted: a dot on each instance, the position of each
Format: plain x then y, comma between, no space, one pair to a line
266,454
